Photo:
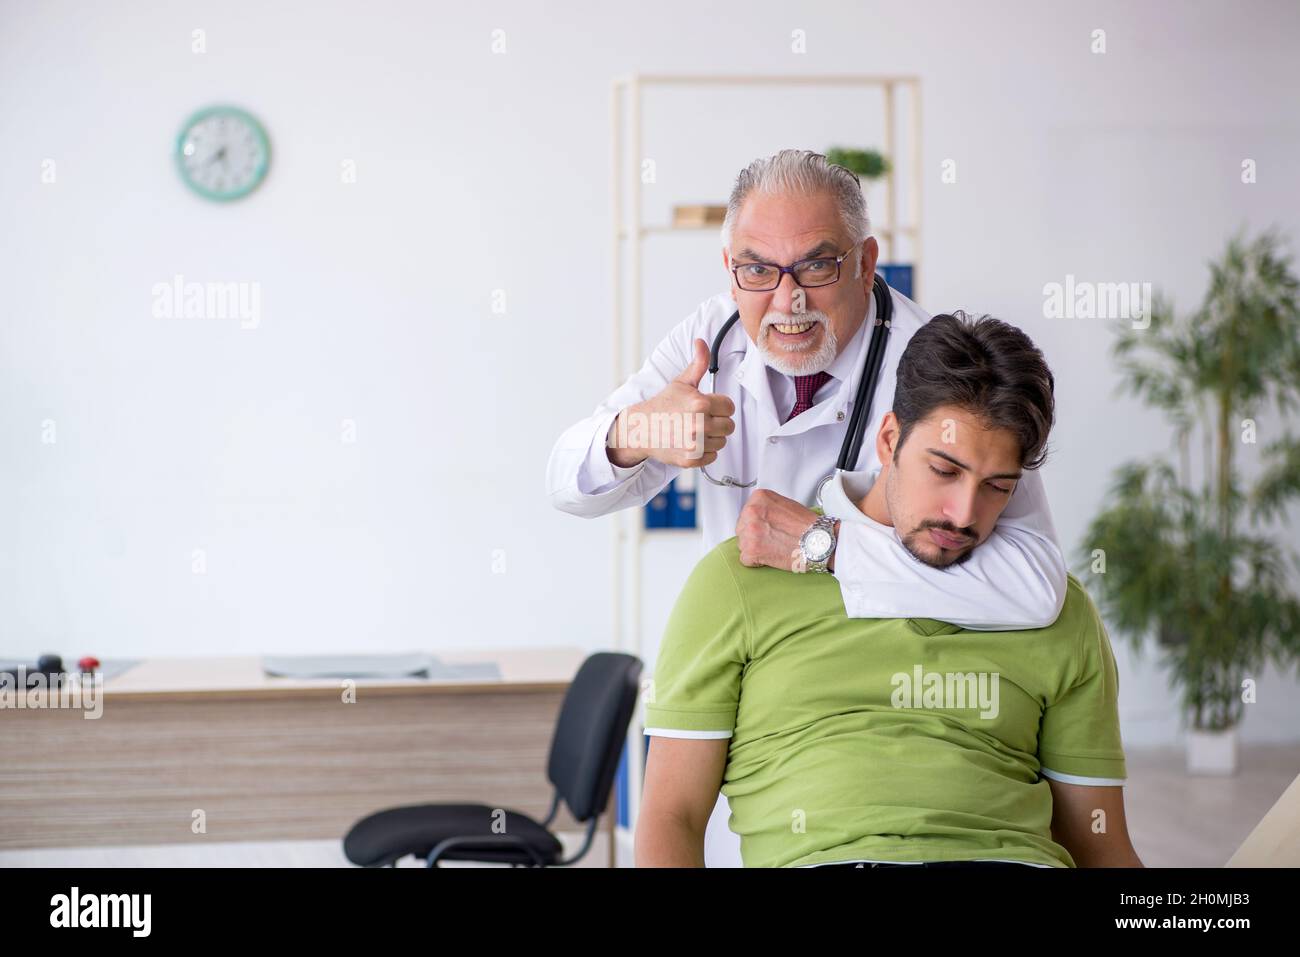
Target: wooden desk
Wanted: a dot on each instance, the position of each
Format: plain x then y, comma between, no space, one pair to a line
277,758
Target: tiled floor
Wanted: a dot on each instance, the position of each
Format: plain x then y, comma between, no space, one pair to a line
1175,821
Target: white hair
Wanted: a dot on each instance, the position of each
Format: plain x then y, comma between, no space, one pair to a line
805,173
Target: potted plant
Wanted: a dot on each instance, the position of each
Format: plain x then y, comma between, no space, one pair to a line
868,165
1186,557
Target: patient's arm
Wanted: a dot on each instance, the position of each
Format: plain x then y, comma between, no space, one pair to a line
682,780
1015,579
1077,827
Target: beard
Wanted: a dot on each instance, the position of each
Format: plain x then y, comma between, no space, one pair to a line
797,360
911,541
918,544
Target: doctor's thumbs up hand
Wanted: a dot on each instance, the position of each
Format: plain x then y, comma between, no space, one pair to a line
680,426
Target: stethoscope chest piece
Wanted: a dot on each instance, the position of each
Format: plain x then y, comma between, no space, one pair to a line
821,487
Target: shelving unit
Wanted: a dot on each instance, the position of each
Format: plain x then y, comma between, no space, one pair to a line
629,232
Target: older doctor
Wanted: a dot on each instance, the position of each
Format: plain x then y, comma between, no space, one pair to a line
784,396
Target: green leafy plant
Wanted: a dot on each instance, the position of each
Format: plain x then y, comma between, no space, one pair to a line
868,164
1190,561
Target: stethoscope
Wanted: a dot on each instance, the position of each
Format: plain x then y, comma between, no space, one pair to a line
862,402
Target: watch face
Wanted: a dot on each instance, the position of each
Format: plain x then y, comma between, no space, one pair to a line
817,544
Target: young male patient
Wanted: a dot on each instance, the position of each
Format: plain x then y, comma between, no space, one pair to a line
894,741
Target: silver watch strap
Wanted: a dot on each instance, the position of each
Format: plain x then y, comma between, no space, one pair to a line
828,523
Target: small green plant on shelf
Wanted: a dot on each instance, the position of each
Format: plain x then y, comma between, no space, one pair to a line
866,164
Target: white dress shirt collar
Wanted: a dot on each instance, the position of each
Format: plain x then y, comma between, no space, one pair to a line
770,387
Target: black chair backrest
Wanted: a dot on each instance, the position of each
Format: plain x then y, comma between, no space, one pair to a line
592,728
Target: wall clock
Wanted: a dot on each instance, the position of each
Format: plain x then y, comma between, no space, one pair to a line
222,153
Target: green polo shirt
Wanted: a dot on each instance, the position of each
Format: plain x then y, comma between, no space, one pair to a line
883,739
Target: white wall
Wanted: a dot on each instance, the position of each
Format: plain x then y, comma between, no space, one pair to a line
479,172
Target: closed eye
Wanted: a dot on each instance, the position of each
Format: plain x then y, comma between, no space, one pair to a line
949,474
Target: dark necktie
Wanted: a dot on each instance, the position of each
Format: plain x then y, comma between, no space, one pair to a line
805,387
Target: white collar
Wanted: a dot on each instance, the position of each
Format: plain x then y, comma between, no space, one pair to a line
846,363
842,493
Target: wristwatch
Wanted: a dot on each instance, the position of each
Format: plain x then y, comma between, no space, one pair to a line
817,545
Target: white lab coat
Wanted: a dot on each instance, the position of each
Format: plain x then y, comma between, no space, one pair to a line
1015,579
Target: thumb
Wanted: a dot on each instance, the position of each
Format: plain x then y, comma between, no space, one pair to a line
694,372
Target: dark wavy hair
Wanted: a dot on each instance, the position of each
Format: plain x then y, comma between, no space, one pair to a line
985,366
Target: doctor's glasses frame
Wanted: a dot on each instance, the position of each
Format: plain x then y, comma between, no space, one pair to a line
764,281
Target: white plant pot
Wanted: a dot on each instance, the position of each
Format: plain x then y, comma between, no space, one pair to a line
1212,752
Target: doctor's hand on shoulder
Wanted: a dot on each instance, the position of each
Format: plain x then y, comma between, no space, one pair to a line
680,426
770,527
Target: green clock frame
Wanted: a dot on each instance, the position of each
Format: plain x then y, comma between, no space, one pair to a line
259,174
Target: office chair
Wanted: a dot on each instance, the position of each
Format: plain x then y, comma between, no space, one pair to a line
584,756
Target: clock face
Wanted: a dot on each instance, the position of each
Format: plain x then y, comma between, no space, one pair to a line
222,153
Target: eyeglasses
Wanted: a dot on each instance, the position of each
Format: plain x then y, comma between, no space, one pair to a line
809,273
